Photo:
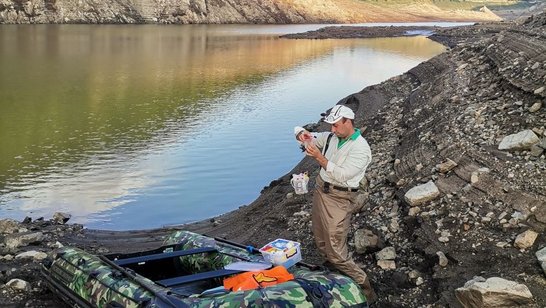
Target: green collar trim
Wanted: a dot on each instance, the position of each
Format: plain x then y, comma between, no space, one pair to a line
352,137
355,134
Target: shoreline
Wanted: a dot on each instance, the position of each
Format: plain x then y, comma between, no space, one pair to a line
356,32
455,106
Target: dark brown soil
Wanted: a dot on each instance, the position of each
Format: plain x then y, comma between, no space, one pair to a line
348,32
455,106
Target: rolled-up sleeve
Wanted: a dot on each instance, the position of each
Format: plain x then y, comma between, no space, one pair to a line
320,139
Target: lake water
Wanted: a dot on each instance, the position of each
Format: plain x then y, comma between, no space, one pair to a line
140,126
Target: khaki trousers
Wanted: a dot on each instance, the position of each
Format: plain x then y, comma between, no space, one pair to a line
331,218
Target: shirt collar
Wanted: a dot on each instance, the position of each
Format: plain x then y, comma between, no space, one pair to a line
355,134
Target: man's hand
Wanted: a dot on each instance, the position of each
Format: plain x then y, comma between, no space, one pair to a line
314,152
304,136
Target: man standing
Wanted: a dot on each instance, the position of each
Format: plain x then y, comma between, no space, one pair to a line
343,156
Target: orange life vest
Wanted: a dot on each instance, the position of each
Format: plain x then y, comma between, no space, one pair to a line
254,280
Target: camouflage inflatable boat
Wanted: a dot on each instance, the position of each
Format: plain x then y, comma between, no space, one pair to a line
187,271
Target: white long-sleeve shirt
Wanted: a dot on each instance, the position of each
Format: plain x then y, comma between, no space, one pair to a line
347,165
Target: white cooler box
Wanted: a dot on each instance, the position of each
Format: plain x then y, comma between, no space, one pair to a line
282,252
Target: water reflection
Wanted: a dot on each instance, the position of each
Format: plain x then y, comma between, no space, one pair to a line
106,120
83,88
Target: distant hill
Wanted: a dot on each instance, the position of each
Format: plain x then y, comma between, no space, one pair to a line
241,11
519,9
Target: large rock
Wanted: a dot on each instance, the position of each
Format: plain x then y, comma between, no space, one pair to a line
387,253
19,284
520,141
535,107
61,218
542,143
541,256
493,292
414,210
536,150
8,226
17,240
386,264
446,166
442,259
364,240
422,193
475,176
33,254
526,239
361,200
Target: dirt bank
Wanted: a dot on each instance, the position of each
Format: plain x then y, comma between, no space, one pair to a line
351,32
441,122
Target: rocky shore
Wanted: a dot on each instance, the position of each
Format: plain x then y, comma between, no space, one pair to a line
453,205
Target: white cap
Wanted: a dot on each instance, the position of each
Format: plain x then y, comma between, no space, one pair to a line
338,112
298,129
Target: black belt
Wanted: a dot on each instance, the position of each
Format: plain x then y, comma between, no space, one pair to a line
328,185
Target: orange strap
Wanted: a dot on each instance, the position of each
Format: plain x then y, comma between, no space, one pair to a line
254,280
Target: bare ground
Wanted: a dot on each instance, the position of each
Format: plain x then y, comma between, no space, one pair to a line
351,32
457,106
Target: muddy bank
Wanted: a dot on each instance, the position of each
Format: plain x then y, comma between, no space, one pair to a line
349,32
443,122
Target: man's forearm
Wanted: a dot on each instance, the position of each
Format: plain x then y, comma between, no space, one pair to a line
323,162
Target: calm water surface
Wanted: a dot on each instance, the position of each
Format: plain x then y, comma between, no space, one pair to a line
129,127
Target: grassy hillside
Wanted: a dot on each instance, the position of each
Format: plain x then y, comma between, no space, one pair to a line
456,4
